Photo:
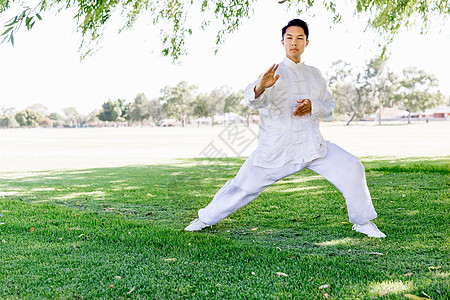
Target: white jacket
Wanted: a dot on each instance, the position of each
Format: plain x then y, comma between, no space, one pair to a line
282,137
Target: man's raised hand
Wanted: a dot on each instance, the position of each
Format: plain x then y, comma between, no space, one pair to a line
267,80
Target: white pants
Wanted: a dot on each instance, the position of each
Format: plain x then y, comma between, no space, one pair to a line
342,169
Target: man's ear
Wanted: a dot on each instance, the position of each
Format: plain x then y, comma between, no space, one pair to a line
307,42
282,42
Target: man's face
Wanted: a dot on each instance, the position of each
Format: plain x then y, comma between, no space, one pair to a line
294,42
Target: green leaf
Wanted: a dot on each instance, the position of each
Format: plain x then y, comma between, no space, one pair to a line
27,22
4,39
13,21
7,30
12,39
39,17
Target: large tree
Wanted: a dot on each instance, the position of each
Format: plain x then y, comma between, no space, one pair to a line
359,93
221,100
57,120
156,112
355,91
8,121
143,109
178,19
125,110
72,117
177,101
232,101
29,118
140,108
110,112
245,111
201,107
418,91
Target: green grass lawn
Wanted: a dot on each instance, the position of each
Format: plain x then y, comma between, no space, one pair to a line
117,233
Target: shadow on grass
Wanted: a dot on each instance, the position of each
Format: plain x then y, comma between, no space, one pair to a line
117,232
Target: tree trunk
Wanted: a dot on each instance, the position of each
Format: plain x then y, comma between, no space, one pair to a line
380,109
379,117
409,117
351,119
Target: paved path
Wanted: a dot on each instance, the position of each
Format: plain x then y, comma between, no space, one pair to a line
27,150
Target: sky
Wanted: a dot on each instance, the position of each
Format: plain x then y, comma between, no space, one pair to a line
44,66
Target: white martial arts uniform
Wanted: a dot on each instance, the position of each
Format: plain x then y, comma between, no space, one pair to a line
288,144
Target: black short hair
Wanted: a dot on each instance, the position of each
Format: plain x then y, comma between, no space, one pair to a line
296,22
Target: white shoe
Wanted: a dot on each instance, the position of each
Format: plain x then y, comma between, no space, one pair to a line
369,229
197,225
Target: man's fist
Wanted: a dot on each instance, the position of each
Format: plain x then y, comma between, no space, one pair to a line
303,109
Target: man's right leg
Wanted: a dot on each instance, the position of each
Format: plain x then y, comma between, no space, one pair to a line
248,184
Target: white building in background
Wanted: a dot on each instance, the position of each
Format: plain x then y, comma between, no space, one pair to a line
391,114
437,113
228,118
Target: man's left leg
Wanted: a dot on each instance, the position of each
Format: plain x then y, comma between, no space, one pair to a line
347,174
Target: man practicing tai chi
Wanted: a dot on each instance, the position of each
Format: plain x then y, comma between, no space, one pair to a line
291,97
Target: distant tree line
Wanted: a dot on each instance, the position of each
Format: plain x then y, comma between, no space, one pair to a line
181,102
38,115
359,93
362,92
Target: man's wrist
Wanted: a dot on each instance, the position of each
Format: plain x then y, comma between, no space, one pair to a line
258,91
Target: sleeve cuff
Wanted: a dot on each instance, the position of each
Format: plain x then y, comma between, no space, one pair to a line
249,95
314,109
319,112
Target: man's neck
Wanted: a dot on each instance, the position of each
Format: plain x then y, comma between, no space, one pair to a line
295,60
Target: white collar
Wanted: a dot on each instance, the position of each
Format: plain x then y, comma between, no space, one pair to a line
292,64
